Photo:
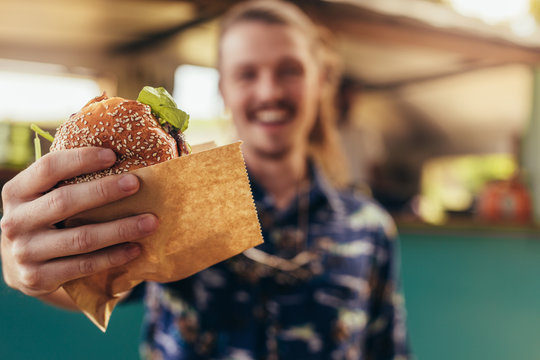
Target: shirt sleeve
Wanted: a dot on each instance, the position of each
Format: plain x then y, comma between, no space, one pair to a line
386,336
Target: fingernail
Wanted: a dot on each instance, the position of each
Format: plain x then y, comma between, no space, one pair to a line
132,250
128,182
107,156
147,224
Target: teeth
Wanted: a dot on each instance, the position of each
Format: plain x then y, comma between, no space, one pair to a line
270,116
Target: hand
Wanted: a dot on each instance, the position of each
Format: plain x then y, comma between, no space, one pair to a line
37,258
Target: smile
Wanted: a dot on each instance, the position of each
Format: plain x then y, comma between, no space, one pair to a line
272,116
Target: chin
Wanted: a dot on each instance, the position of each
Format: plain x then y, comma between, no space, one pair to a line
272,152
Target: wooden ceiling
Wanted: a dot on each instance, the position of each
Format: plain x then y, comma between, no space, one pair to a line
382,46
420,54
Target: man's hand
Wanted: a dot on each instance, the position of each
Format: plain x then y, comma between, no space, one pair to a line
37,257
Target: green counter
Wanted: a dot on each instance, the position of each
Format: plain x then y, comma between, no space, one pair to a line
31,330
470,295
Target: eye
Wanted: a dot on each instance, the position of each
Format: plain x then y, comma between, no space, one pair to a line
290,69
245,75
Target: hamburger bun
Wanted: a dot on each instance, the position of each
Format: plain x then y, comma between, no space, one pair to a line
128,127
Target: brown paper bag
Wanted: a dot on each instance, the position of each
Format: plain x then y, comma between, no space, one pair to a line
206,214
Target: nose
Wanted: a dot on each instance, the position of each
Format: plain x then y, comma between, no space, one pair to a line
268,87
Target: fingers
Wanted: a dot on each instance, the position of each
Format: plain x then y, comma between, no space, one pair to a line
80,266
54,167
36,257
90,238
36,280
39,265
66,201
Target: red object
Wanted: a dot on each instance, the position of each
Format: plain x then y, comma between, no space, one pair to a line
505,200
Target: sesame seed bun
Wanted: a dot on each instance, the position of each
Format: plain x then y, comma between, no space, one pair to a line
125,126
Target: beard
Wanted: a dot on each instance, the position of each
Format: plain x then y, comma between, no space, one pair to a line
273,155
278,149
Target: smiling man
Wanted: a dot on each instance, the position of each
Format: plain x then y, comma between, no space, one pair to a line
270,80
324,285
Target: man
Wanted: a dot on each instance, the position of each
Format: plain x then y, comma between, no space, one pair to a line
322,286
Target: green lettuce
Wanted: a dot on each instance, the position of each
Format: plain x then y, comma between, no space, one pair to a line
164,107
37,143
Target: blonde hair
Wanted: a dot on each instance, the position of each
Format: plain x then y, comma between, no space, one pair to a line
324,142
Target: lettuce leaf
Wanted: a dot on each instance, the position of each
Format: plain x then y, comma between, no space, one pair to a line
164,107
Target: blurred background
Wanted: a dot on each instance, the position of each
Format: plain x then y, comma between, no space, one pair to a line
439,115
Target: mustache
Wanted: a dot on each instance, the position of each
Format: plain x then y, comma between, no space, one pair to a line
282,104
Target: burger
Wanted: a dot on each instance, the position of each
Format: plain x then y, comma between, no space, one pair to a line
141,132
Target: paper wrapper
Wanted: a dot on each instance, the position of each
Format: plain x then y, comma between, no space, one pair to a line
206,214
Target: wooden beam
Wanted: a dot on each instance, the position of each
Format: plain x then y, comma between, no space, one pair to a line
366,26
208,11
414,80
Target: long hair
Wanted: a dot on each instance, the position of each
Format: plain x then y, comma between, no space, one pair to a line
324,143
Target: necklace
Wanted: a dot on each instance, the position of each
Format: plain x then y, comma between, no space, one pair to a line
290,239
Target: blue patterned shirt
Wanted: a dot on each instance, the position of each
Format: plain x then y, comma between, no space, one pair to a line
322,286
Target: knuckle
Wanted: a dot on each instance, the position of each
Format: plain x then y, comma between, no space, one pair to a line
8,226
20,253
83,241
8,281
8,191
124,231
100,189
44,167
30,278
87,266
58,200
79,157
114,258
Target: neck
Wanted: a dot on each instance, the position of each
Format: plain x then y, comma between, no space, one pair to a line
281,177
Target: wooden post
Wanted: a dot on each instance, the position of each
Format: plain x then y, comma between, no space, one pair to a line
530,154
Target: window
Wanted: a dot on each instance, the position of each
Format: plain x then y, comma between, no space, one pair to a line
196,92
36,93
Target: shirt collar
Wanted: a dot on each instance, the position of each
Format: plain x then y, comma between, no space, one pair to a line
321,192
